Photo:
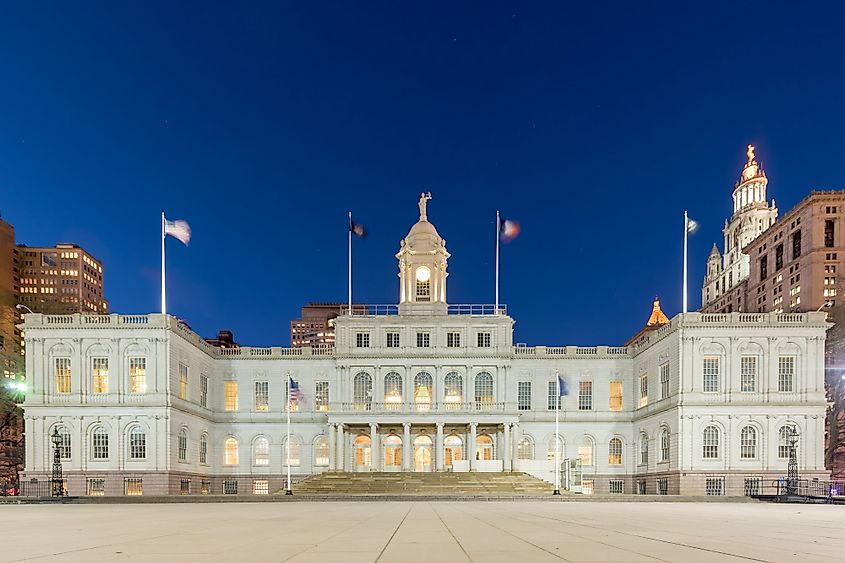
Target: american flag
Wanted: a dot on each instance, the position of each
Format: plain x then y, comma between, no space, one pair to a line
294,393
180,230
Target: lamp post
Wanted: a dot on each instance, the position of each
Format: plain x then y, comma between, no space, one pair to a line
57,483
792,468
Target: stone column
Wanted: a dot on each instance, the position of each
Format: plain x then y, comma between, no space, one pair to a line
439,452
507,456
471,445
374,449
332,447
407,447
339,461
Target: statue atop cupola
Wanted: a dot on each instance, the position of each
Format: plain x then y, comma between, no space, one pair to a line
422,267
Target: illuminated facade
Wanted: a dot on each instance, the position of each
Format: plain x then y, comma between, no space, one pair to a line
695,405
64,279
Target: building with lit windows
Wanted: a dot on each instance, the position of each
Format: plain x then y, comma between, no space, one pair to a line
63,279
698,404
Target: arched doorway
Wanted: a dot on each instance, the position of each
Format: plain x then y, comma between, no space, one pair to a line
422,453
392,445
484,447
361,450
453,449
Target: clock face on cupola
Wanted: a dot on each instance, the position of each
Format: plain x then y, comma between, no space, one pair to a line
422,267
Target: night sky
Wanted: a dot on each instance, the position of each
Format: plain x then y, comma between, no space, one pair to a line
595,125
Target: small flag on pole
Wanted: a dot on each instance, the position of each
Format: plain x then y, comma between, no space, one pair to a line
692,226
295,394
508,230
180,230
357,228
563,389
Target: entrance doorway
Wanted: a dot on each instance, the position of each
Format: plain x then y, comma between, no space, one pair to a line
453,446
422,453
392,453
484,448
361,450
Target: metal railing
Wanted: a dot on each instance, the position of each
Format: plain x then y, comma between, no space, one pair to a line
379,310
39,488
784,487
418,408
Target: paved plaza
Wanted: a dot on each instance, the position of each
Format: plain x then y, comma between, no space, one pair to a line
348,532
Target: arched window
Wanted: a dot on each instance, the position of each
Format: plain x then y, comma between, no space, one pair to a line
362,392
710,443
100,443
183,445
204,448
453,391
664,444
748,443
484,448
294,451
393,391
453,449
230,451
321,451
614,451
64,442
585,451
261,451
550,451
525,448
784,439
483,391
137,443
422,391
643,449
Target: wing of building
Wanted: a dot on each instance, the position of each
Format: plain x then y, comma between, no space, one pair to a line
699,404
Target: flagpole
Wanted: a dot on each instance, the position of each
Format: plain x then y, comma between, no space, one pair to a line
349,269
289,491
686,236
557,437
498,230
163,279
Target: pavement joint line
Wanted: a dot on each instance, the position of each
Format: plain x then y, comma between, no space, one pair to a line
448,529
659,540
390,539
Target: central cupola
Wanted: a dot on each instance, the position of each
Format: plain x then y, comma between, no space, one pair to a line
422,268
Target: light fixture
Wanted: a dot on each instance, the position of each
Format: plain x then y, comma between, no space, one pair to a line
423,274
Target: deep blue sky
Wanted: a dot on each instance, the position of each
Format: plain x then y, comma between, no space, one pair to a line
594,124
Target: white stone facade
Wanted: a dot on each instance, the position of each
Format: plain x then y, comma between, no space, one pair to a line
147,406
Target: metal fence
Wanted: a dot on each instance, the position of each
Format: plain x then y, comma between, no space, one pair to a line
36,488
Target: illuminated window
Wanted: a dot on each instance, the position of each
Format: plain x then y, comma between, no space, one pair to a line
748,443
262,451
262,396
137,375
133,487
616,395
483,391
525,448
585,396
423,389
137,443
710,443
183,382
230,451
393,391
99,443
261,487
711,374
643,390
614,451
96,487
423,284
63,375
321,396
786,374
362,392
585,451
294,451
230,396
453,385
321,451
100,375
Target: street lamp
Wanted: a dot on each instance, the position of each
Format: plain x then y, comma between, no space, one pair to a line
22,306
57,483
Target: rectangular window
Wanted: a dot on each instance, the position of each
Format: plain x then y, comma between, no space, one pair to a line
779,257
554,398
423,291
262,396
96,487
137,375
524,395
748,374
587,487
362,339
261,487
764,267
134,487
230,396
137,444
664,380
663,486
205,487
711,374
796,245
321,396
585,396
183,382
616,395
204,391
641,487
423,339
786,374
100,376
453,340
203,450
63,375
828,233
393,340
184,486
484,339
714,486
616,486
230,486
643,390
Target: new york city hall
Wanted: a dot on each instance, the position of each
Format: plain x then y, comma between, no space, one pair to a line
700,404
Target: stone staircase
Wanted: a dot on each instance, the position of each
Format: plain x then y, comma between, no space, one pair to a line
447,484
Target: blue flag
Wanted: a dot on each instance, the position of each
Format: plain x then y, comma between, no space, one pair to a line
563,390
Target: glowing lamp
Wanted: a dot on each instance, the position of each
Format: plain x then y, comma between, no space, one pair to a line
423,274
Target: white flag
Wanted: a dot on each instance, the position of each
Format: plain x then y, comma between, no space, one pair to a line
692,226
179,230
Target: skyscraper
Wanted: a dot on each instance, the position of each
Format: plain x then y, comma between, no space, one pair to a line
63,279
